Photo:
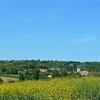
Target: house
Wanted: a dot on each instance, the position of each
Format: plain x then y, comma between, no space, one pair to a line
42,70
78,70
51,69
83,73
58,69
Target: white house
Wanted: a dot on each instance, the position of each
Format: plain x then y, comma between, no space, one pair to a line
43,70
83,73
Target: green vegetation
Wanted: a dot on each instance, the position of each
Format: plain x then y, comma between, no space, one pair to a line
29,69
13,66
85,88
1,81
9,75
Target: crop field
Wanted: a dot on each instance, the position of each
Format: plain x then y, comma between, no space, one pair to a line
86,88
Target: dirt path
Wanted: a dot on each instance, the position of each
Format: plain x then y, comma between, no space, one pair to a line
7,79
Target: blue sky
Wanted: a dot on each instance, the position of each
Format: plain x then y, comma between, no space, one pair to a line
50,30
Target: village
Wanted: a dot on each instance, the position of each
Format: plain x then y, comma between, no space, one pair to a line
82,73
46,73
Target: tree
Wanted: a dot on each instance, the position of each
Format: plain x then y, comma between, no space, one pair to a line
14,71
43,75
21,76
35,74
55,73
72,67
3,69
63,73
27,75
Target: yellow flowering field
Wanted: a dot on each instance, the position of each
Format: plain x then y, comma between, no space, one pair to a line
86,88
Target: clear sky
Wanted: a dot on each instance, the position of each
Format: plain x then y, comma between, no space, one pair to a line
50,30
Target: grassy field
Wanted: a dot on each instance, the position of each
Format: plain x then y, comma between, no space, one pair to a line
9,75
87,88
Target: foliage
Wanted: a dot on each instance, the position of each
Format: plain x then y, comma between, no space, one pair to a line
43,76
22,76
14,66
55,73
1,81
86,88
35,74
63,73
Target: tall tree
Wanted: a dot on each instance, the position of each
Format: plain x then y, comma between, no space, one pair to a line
35,74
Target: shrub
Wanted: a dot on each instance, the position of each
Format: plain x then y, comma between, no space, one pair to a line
1,81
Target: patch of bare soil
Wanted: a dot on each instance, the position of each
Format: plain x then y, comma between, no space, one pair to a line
7,79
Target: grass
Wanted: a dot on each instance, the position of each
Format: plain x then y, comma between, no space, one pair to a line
9,75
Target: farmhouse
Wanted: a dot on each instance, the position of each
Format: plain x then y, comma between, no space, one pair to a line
43,70
58,69
83,73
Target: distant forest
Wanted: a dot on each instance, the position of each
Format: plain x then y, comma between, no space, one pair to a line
13,66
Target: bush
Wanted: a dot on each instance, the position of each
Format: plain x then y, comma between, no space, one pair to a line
35,74
43,76
11,81
1,81
21,76
55,73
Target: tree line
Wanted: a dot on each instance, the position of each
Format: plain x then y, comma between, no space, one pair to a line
13,66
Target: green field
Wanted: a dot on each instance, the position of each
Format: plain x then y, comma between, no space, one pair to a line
9,75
